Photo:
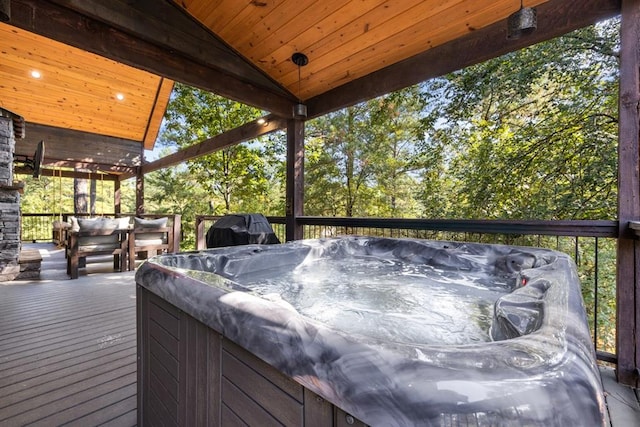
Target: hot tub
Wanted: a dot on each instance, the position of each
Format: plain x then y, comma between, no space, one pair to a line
394,332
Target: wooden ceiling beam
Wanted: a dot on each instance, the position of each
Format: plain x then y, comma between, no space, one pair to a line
90,167
69,174
235,136
165,55
150,20
555,18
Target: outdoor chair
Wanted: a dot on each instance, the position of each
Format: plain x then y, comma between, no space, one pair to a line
153,234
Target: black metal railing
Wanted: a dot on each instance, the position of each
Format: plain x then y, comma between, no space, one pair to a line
38,227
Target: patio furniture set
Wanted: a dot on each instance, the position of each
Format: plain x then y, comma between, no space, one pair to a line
123,237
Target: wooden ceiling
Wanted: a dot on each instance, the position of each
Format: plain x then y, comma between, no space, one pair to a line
241,49
78,90
343,39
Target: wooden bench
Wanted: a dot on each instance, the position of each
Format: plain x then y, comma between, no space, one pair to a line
97,236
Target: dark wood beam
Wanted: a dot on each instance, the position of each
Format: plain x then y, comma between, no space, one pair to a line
628,256
91,167
149,21
235,136
295,179
139,193
119,36
68,174
555,18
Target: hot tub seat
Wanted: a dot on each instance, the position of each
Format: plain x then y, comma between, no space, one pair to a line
537,368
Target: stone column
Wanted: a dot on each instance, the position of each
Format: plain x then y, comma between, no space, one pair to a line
9,206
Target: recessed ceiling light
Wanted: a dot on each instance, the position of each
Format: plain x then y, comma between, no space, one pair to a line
36,74
119,96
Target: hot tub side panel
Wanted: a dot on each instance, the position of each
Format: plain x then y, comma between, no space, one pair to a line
189,375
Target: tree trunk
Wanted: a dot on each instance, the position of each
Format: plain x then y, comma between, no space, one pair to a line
80,196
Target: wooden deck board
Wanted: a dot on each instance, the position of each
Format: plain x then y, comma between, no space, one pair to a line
26,348
68,351
54,332
40,372
622,402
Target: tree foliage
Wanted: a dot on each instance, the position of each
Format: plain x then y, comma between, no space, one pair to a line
361,160
532,134
234,179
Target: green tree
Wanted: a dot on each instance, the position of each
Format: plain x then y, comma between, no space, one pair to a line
237,178
176,190
362,160
532,134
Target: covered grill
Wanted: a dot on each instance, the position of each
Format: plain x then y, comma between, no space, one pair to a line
241,229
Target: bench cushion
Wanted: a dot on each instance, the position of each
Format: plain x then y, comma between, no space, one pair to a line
146,239
100,243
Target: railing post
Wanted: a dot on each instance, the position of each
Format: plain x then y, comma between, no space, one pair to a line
628,259
295,178
200,242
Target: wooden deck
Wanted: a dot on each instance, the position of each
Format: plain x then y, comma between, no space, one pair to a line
68,348
68,351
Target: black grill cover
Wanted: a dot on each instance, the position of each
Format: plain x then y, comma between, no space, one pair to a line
242,229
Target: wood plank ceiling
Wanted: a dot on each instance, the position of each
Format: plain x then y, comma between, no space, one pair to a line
344,40
78,90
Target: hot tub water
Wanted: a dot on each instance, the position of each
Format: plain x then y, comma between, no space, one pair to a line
388,301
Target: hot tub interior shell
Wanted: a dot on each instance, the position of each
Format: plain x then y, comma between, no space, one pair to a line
538,369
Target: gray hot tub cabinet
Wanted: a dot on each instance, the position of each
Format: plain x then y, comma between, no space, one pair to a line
190,375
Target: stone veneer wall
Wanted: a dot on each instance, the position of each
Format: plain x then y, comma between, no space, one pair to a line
9,206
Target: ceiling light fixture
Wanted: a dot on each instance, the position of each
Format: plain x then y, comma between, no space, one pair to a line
262,121
36,74
119,97
522,22
299,110
5,10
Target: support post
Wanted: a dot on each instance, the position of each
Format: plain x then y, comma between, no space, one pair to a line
295,178
117,197
628,260
139,192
